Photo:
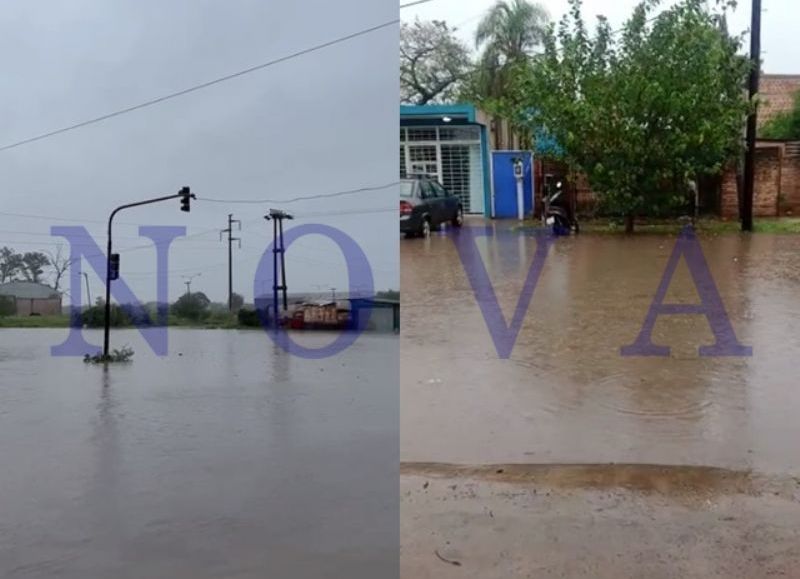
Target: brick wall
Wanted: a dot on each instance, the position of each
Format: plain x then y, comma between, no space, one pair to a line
43,307
790,180
768,184
776,92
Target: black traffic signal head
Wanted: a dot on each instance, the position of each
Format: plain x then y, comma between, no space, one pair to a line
113,262
186,195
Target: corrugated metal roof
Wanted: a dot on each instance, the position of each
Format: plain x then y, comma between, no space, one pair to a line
28,290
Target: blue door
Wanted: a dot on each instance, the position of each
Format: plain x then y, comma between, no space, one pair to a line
505,184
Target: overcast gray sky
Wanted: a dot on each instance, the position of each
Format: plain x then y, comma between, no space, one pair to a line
321,123
778,28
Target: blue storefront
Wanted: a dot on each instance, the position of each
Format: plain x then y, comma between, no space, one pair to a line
451,144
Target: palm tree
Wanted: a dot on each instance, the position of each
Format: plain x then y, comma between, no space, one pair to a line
509,33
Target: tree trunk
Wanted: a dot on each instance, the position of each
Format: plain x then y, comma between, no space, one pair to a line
629,223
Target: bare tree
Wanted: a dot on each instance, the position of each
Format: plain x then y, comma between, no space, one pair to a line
433,62
60,264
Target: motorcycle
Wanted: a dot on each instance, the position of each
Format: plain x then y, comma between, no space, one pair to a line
557,216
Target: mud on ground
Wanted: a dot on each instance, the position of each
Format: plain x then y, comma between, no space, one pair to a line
598,521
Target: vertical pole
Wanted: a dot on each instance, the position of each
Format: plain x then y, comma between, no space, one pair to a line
230,262
283,265
275,271
107,321
752,124
88,292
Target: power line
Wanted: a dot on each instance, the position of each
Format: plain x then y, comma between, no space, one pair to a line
408,4
303,198
199,86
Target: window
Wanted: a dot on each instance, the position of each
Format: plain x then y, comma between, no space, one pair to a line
428,192
440,192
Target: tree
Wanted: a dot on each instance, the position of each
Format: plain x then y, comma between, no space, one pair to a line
33,264
10,264
388,295
509,34
785,125
644,112
237,301
433,62
60,264
192,306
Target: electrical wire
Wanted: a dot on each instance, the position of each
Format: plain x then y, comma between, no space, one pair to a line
198,87
302,198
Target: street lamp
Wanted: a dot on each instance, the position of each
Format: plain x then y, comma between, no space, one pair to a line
112,259
188,281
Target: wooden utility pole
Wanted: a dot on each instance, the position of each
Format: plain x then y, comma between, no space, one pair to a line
231,239
752,119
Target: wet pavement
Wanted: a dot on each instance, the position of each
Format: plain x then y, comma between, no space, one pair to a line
226,459
566,395
570,460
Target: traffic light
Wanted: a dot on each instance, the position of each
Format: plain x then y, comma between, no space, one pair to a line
185,197
113,263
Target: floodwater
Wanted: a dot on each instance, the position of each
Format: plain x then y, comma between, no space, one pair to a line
228,458
566,395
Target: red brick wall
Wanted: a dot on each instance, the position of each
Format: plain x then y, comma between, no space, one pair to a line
766,189
776,92
790,180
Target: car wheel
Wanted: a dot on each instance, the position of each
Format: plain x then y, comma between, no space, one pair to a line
426,228
458,219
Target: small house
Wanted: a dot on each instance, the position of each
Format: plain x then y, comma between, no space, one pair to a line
25,298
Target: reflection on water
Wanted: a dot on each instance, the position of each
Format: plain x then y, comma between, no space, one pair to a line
566,394
227,459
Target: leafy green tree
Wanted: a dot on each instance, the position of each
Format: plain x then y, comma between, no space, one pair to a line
10,264
433,62
786,125
509,34
644,112
192,306
33,264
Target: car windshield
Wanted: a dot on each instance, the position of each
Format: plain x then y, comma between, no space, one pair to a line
406,188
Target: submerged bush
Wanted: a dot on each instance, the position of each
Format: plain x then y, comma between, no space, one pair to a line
123,355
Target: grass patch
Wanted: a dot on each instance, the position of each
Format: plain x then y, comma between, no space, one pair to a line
34,321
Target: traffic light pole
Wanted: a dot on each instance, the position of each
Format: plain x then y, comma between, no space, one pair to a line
185,195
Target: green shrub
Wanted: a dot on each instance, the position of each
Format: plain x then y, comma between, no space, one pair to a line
249,318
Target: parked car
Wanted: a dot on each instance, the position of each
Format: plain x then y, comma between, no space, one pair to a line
425,205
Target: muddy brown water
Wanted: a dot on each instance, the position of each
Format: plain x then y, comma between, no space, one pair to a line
231,459
566,396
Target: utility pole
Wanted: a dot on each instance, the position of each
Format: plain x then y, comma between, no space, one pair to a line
752,119
277,216
88,293
231,239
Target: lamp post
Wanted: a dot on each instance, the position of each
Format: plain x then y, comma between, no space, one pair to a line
188,282
185,195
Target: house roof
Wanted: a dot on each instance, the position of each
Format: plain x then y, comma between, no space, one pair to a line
28,290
